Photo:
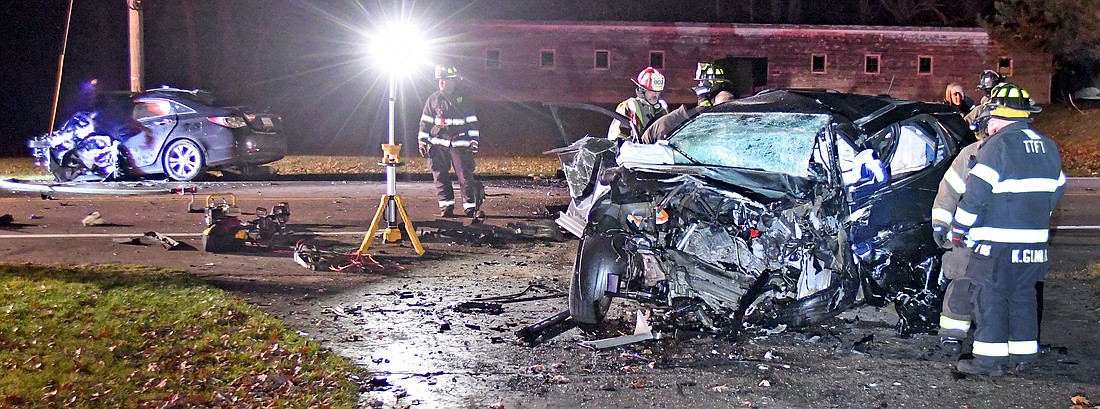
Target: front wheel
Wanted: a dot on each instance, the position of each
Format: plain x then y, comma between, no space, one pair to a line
183,160
597,259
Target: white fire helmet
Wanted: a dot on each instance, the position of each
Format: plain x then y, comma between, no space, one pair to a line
650,79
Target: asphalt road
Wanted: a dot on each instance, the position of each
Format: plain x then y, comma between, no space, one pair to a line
397,321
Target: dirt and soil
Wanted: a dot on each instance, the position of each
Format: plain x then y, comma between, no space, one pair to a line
399,320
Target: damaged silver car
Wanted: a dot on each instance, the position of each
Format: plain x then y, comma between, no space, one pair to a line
785,208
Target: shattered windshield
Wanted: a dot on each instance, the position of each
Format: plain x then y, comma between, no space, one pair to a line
771,142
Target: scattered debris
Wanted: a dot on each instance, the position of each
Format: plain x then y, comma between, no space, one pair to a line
547,328
548,230
133,241
559,379
315,259
168,242
93,219
764,383
861,346
481,307
517,297
721,388
642,332
1080,401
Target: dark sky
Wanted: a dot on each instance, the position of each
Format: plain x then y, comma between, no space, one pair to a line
302,58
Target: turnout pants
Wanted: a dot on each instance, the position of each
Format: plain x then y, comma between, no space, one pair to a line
440,160
955,316
1005,277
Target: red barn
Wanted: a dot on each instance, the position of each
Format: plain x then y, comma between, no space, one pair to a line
519,61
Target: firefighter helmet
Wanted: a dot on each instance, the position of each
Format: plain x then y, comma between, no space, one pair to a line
1009,101
650,79
989,79
707,71
445,72
708,89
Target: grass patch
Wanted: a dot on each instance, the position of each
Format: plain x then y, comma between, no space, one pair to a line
1077,134
114,336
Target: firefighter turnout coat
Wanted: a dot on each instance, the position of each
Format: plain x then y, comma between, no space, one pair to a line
449,121
1005,212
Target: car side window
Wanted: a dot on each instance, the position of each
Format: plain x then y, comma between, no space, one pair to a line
151,108
918,146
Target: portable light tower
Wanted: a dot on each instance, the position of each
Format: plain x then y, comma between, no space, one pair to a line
397,50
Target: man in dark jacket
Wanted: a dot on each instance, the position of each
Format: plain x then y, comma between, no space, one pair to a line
449,137
1004,219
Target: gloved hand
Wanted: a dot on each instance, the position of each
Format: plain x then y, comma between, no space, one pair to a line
958,236
939,235
958,241
473,146
424,148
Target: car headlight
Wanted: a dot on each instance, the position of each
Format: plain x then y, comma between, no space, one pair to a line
228,121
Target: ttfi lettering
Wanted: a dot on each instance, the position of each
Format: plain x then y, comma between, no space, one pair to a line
1035,147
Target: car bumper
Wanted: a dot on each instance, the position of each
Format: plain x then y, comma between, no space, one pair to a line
257,148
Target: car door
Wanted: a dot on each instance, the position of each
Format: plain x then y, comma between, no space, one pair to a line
891,228
157,118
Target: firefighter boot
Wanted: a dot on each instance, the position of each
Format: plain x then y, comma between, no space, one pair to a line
950,346
976,367
476,215
447,211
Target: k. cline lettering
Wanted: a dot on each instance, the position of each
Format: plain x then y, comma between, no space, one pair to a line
1029,256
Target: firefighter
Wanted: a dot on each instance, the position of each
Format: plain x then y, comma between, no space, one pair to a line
448,137
712,90
642,109
1003,219
987,82
955,315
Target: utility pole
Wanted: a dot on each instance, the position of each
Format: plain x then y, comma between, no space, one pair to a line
137,49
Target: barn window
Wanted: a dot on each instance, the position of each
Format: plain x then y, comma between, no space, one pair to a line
1004,66
492,58
924,64
547,59
870,63
657,59
817,64
602,60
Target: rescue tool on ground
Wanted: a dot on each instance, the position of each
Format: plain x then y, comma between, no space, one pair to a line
225,232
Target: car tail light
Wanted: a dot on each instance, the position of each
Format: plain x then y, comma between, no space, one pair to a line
228,121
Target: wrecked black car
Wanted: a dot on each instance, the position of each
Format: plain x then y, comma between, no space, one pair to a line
781,209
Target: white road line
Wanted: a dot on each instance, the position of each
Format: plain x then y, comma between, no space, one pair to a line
128,235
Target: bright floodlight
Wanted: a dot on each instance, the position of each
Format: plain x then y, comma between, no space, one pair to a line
398,49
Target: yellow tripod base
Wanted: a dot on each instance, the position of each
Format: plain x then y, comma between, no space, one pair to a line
392,234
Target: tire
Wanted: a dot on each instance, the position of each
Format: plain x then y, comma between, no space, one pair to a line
596,259
183,160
